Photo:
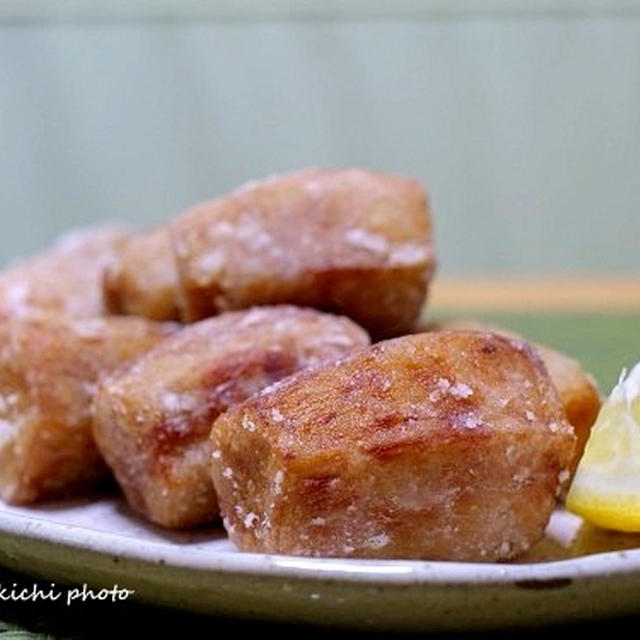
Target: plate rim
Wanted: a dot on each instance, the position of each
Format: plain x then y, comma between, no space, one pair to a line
401,573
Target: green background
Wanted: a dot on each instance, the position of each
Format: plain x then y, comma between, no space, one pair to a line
522,117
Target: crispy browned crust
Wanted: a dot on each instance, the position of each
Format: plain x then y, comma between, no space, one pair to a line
579,394
443,446
49,367
353,242
142,281
67,278
577,389
152,422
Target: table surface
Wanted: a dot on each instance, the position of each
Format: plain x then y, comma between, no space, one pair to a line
604,343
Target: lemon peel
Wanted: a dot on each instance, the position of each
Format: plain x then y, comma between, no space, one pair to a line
606,487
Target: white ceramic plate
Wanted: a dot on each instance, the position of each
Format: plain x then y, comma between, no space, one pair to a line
101,543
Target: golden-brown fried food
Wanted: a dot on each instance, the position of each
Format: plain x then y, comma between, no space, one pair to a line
67,278
353,242
142,281
49,367
577,389
152,422
447,446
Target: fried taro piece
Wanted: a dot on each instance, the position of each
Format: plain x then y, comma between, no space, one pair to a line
443,446
49,368
65,279
352,242
577,389
142,281
153,421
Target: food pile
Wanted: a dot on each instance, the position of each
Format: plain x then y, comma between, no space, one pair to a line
260,358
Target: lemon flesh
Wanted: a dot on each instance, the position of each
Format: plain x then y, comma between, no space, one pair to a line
606,487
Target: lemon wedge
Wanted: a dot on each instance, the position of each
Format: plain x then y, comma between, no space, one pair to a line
606,487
